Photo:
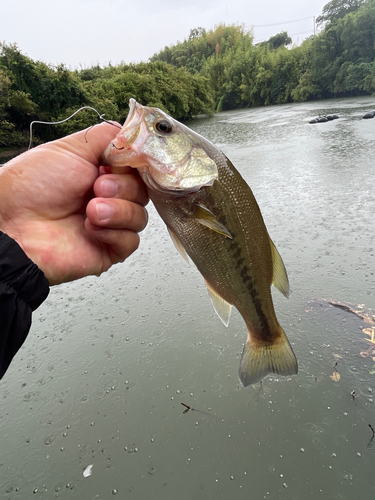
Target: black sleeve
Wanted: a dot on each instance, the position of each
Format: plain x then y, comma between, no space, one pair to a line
23,287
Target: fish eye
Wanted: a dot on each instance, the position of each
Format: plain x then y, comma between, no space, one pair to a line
164,126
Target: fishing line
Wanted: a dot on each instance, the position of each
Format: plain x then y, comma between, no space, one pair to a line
66,119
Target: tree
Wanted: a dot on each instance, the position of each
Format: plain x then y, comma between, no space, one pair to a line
196,32
336,9
16,107
281,39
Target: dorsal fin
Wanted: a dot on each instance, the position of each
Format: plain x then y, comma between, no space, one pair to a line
280,277
221,306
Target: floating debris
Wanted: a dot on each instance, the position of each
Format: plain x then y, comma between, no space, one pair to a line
363,313
88,471
371,332
194,409
359,310
335,376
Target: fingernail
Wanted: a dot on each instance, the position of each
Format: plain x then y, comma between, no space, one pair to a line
108,188
104,211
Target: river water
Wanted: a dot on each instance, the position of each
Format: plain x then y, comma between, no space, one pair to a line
109,361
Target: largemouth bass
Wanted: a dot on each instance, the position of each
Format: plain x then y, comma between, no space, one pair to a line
212,217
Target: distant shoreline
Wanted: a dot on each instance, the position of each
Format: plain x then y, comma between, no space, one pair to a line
7,154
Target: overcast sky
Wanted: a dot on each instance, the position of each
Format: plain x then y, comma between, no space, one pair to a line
82,33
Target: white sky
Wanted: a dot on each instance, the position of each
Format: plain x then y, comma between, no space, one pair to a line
82,33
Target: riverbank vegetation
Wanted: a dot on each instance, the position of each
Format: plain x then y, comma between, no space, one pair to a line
210,71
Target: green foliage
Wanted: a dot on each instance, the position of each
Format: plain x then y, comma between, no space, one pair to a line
32,90
351,77
281,39
341,56
337,9
158,84
218,69
369,85
15,107
242,74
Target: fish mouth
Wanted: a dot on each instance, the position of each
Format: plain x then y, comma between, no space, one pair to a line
135,115
119,151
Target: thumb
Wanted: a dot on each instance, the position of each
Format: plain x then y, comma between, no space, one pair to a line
90,143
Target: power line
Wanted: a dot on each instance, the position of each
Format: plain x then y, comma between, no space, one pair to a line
302,32
278,24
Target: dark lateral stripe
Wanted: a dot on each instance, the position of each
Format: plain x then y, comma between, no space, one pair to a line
266,334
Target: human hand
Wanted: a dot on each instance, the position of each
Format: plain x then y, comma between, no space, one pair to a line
46,194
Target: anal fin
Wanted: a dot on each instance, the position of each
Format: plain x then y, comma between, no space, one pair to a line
222,308
280,277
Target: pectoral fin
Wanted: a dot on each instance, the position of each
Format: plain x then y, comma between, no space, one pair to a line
280,277
177,243
221,306
207,218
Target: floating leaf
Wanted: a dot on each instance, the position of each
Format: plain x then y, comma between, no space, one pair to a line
335,376
336,356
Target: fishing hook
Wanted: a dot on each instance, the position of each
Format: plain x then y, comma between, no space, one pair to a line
66,119
118,149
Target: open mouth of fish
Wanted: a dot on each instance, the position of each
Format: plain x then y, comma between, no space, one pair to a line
119,152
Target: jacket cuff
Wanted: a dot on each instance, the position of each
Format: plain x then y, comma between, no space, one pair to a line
21,274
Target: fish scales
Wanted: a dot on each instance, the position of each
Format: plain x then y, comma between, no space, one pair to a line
223,262
213,217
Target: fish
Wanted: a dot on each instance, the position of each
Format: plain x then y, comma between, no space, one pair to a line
214,220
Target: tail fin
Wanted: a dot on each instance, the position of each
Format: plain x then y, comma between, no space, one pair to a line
258,360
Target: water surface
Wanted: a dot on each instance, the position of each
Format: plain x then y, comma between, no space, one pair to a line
109,360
